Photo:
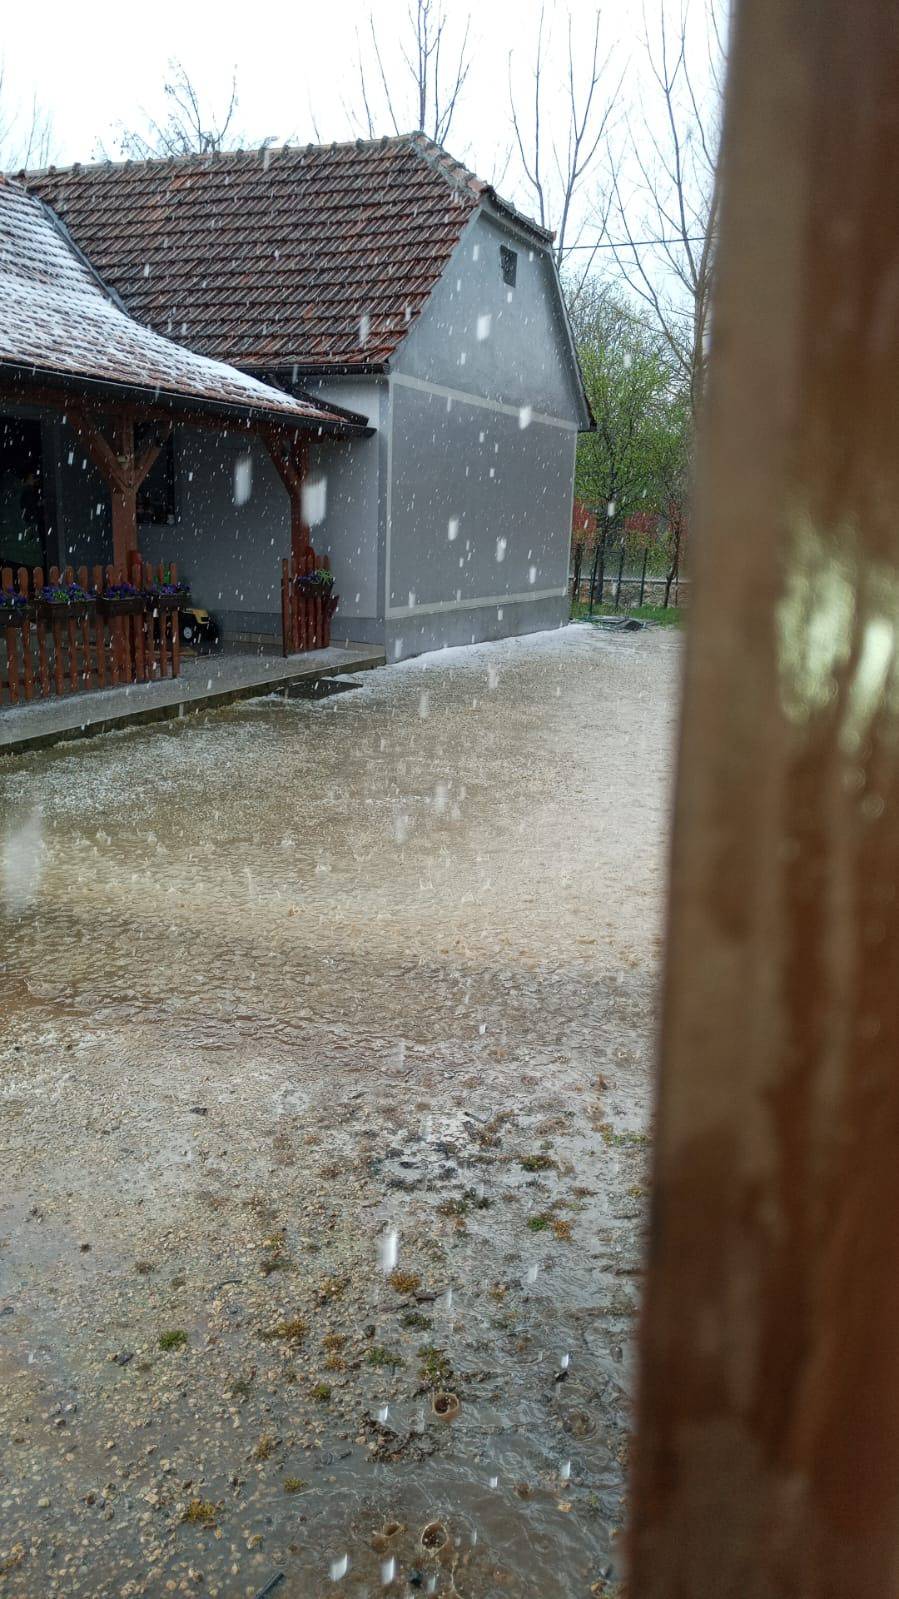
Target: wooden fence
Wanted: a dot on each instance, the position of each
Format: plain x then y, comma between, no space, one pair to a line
45,655
305,616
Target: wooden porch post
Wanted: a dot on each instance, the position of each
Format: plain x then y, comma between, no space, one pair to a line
124,495
290,456
767,1458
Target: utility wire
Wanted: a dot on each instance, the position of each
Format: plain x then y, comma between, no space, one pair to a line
628,244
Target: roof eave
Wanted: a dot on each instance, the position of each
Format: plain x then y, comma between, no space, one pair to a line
274,379
507,212
288,369
105,389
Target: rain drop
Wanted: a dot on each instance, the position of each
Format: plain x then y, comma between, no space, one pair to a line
315,500
388,1249
243,479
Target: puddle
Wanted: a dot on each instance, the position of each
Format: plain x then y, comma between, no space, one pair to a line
287,981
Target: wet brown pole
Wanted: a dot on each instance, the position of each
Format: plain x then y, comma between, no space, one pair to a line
767,1463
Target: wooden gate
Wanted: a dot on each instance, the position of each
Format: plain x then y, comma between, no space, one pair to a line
307,602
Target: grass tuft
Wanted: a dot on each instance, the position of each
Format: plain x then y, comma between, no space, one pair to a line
174,1339
201,1512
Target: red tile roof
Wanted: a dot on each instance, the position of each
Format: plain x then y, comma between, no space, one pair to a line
316,257
57,320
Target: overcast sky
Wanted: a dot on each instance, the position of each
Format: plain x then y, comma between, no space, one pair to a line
99,64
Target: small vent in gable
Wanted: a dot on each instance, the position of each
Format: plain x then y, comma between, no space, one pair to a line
508,260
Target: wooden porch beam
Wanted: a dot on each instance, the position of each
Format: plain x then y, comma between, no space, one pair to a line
289,458
151,452
121,469
209,421
98,448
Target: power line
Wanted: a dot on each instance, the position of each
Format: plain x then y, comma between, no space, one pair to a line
629,244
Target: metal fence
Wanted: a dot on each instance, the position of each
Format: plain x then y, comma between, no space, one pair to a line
612,585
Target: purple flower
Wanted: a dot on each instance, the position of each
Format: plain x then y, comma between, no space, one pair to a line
169,588
319,582
63,594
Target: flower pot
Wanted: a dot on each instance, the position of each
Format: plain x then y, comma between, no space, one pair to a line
64,610
166,602
15,615
121,605
312,589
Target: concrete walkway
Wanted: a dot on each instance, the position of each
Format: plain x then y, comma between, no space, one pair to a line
205,684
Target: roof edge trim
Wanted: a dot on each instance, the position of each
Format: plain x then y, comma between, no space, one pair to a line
78,383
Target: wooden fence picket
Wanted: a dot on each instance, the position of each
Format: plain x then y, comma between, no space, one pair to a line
173,623
27,657
43,664
56,635
12,666
326,608
87,670
99,629
285,605
12,671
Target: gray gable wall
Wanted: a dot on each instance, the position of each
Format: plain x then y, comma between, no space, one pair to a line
482,426
503,344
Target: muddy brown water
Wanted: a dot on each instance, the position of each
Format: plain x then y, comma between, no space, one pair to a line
325,1086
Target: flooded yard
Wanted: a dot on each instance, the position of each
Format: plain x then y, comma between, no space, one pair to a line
324,1124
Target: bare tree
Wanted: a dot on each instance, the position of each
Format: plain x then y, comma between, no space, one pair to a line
556,166
427,84
662,221
188,127
26,138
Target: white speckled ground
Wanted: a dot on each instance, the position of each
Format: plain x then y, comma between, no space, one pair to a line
278,981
